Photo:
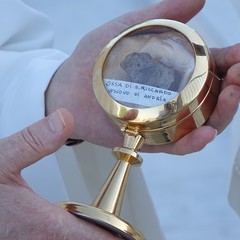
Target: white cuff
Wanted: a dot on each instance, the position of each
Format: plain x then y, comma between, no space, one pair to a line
22,101
234,191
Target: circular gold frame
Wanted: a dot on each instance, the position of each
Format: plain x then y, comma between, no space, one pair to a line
170,121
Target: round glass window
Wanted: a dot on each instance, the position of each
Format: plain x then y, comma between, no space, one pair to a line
148,67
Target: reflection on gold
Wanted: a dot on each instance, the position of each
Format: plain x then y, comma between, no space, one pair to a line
177,47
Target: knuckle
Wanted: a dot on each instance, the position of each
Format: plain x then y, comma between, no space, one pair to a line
233,74
33,141
236,52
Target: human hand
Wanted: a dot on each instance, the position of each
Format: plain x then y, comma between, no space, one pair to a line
24,215
71,86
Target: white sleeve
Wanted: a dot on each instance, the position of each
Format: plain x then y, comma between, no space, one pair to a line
234,192
27,64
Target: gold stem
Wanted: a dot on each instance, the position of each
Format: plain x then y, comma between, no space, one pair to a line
111,196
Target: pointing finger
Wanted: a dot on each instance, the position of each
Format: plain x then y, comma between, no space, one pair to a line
35,142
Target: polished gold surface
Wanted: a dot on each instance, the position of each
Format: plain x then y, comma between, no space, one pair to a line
189,108
103,218
106,208
112,193
174,119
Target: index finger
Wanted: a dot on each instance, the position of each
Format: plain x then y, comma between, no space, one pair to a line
35,142
225,58
179,10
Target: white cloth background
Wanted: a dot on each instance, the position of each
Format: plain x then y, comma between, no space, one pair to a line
189,192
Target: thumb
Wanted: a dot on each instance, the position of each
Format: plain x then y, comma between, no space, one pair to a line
35,142
179,10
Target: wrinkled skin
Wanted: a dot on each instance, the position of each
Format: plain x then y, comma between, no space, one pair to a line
24,215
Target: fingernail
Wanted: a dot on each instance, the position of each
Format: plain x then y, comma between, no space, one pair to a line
215,134
56,122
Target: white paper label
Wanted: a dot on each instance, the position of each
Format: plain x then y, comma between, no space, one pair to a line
139,94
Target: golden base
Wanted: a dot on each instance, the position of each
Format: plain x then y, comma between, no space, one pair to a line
104,219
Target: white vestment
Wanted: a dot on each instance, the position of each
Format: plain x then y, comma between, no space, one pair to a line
27,63
234,193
